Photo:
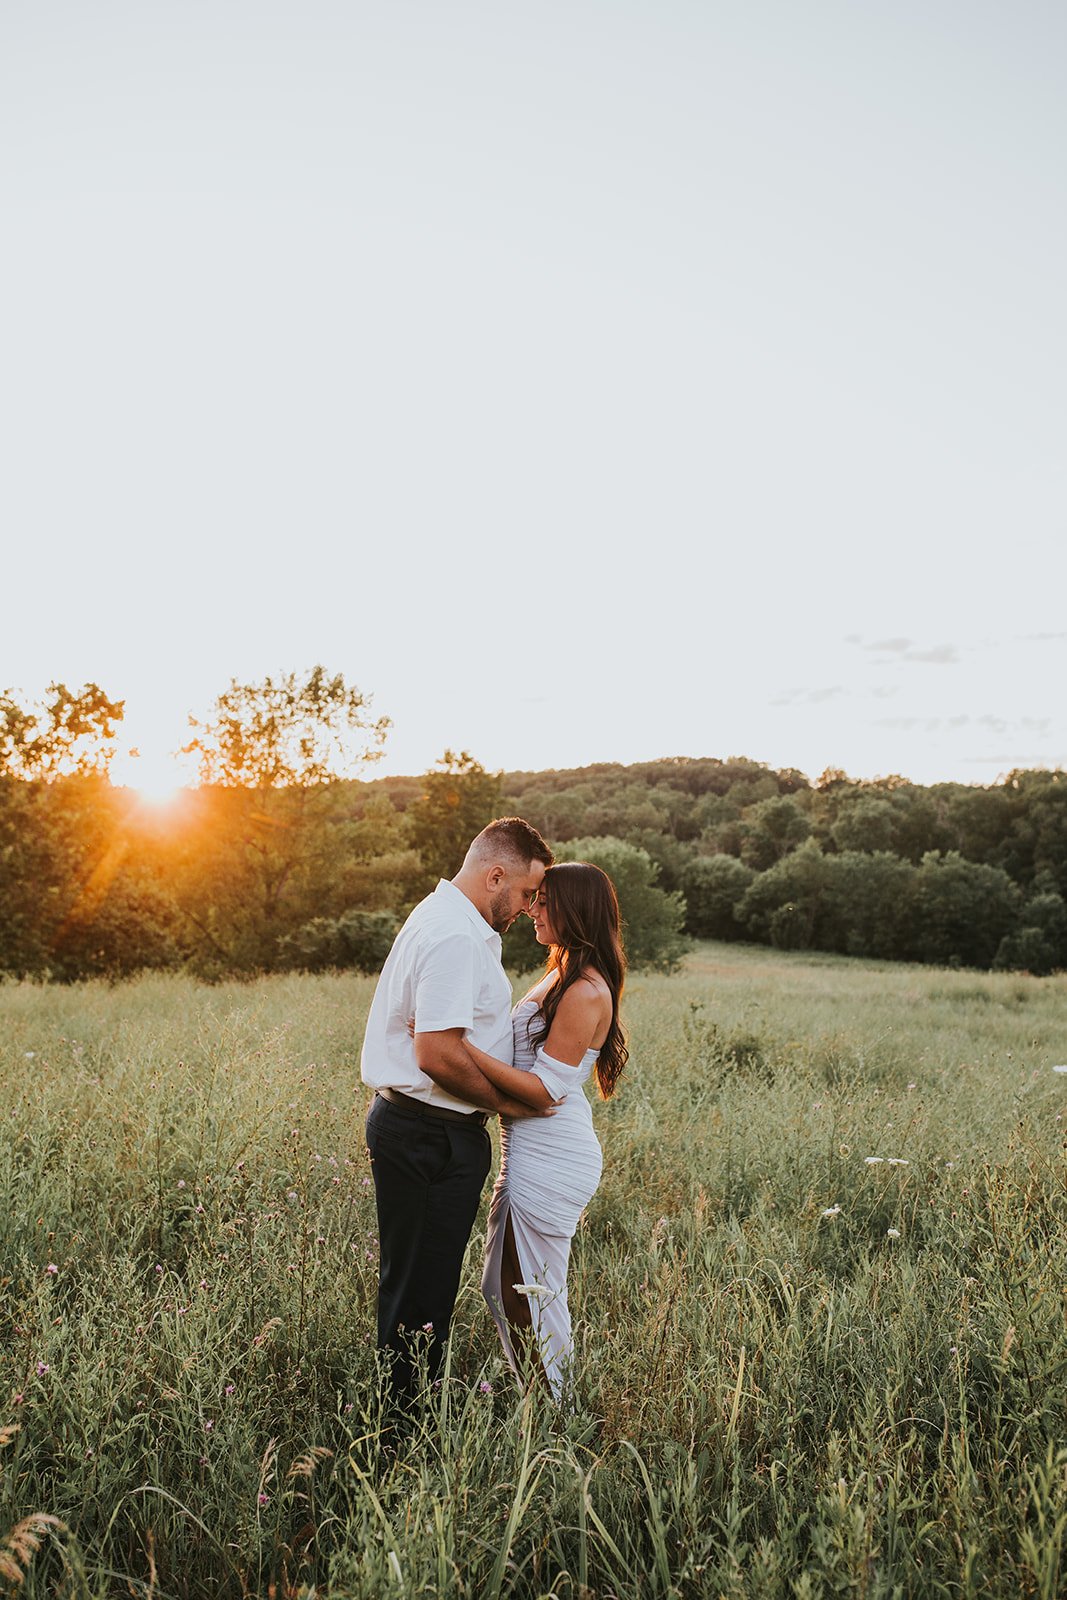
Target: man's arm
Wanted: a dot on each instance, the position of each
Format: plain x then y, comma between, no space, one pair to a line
444,1057
524,1086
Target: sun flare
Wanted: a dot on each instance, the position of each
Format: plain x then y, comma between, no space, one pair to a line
154,775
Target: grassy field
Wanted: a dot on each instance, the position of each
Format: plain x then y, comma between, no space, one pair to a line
820,1303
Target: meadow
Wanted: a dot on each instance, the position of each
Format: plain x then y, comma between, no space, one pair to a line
820,1303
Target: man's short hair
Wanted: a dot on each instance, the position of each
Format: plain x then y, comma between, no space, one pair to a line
512,841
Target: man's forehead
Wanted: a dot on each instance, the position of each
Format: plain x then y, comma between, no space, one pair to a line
536,875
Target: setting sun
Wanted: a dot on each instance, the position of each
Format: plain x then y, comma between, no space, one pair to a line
155,775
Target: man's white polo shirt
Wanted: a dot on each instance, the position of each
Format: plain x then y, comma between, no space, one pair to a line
444,970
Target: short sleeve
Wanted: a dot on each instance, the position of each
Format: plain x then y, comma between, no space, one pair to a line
557,1077
444,985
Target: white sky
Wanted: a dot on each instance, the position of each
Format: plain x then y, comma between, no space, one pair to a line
583,381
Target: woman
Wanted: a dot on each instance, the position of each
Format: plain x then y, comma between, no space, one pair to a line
566,1027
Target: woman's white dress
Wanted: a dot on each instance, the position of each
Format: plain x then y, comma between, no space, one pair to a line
549,1171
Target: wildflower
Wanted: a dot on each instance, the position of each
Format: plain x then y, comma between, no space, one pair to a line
263,1499
899,1161
17,1399
181,1183
532,1291
209,1424
291,1195
229,1389
42,1368
366,1181
427,1327
892,1233
872,1161
348,1408
51,1269
158,1267
1062,1068
831,1211
30,1054
485,1388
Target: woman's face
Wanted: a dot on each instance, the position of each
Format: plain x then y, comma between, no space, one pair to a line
544,932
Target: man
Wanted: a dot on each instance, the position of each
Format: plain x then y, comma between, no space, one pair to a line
426,1127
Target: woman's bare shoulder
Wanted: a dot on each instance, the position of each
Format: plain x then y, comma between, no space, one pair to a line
589,993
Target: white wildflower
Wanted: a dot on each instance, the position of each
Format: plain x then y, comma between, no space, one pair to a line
1062,1068
872,1161
892,1233
899,1161
831,1211
532,1291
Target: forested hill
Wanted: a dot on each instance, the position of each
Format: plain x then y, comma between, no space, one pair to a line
243,877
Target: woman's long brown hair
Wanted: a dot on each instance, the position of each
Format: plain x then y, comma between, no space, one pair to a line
583,911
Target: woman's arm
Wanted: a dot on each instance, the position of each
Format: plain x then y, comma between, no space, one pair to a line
525,1086
448,1059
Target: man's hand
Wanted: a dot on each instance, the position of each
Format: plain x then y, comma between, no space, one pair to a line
519,1111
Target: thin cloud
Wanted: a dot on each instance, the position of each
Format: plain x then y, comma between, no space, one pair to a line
808,697
941,655
901,649
928,724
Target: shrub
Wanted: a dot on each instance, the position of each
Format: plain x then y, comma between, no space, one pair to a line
714,887
359,939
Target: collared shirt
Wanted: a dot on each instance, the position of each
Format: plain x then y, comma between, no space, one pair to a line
445,971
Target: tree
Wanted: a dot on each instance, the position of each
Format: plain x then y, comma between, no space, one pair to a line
714,887
867,904
652,918
71,733
784,904
456,803
866,824
772,829
272,853
285,733
963,910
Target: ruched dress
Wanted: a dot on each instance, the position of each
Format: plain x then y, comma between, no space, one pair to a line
549,1171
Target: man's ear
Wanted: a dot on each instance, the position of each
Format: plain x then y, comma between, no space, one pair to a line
495,877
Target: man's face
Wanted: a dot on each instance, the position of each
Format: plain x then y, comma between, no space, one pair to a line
514,895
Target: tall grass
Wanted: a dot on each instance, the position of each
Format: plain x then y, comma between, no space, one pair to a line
819,1298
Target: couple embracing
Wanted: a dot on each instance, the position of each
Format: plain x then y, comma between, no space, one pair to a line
444,1049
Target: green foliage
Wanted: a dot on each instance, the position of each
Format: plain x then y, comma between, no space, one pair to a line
771,829
78,898
286,732
356,939
652,918
962,910
456,804
713,887
91,880
71,733
784,904
868,905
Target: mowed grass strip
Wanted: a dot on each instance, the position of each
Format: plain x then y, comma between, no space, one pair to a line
819,1301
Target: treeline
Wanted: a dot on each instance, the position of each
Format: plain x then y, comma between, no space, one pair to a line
951,873
273,863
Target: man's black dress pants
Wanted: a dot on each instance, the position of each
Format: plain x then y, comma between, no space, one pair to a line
428,1179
